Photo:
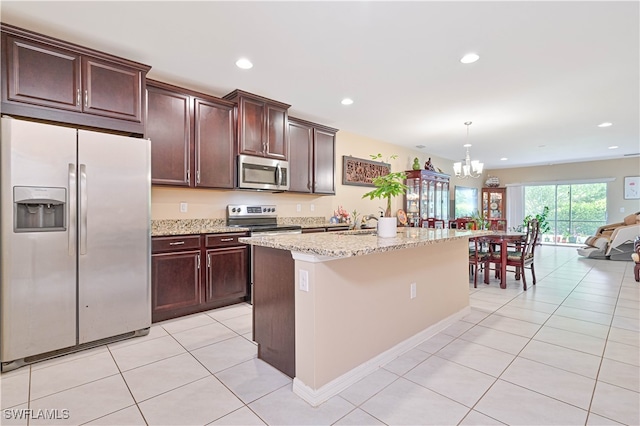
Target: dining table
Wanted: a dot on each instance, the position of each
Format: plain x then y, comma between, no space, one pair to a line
502,239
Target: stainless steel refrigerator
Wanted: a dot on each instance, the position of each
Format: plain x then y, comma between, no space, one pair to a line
75,239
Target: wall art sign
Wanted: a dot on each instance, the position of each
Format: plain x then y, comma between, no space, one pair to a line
632,187
361,172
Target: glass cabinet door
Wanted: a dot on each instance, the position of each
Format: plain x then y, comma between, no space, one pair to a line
494,203
430,192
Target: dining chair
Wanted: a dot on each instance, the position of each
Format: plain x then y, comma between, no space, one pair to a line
477,258
519,255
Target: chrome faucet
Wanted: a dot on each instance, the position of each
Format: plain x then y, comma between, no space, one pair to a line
368,217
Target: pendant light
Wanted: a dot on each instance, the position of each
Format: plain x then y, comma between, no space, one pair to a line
468,168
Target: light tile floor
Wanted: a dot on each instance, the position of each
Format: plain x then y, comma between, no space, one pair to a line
566,352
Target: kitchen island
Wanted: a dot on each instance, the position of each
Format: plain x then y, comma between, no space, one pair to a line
330,308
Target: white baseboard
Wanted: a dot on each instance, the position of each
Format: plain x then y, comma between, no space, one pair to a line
316,397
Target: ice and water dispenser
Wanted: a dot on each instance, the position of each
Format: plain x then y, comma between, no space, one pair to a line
39,209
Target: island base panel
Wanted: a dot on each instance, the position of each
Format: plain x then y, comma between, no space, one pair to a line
274,308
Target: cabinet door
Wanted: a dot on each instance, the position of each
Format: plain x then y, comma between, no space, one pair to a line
251,127
214,144
300,157
175,283
227,273
169,128
276,145
42,75
324,170
112,90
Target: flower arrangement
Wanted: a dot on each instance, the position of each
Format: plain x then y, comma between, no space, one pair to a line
341,214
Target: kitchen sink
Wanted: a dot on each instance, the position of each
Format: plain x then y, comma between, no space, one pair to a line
358,232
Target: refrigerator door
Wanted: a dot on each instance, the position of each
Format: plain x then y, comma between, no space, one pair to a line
38,282
114,197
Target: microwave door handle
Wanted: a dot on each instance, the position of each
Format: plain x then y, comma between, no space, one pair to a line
278,175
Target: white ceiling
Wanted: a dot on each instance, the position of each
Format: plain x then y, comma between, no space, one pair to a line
548,74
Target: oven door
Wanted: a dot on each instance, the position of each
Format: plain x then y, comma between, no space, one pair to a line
262,173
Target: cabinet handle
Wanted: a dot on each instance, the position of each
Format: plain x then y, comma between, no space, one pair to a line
208,261
224,240
188,176
77,97
86,98
198,261
197,176
177,243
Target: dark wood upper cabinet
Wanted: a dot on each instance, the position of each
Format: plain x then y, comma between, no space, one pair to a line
214,137
192,137
169,128
300,156
324,163
262,125
311,157
112,90
49,79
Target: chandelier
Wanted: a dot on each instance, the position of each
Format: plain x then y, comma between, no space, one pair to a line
468,168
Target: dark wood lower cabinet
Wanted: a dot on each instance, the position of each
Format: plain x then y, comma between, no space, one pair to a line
175,281
194,273
274,308
227,273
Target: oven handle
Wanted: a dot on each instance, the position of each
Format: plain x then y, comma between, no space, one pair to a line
273,233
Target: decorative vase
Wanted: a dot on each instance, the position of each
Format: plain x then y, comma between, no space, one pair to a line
387,227
416,163
492,182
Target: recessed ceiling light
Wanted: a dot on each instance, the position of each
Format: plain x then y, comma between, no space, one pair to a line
605,124
347,101
613,147
244,63
504,159
469,58
420,146
467,145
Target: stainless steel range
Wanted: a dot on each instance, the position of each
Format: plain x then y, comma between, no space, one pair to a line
261,220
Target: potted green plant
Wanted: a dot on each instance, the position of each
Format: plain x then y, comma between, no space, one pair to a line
387,187
542,221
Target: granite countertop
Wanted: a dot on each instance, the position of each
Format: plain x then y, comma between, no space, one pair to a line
359,242
191,226
162,227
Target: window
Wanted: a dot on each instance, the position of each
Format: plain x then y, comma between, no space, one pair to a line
576,210
466,201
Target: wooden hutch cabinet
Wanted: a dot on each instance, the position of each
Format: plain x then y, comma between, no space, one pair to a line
427,196
494,203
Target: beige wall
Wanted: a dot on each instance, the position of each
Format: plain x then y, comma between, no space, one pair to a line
616,169
206,203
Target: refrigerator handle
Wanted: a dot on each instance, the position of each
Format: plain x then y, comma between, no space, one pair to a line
71,224
83,209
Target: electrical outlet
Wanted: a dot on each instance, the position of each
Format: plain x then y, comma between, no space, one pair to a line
298,207
312,207
303,276
183,207
413,290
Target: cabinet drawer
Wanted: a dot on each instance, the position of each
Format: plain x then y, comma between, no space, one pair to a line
175,243
223,240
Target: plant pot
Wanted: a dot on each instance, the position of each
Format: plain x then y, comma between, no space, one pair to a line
387,227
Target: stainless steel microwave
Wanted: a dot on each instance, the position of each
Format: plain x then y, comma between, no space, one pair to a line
262,173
